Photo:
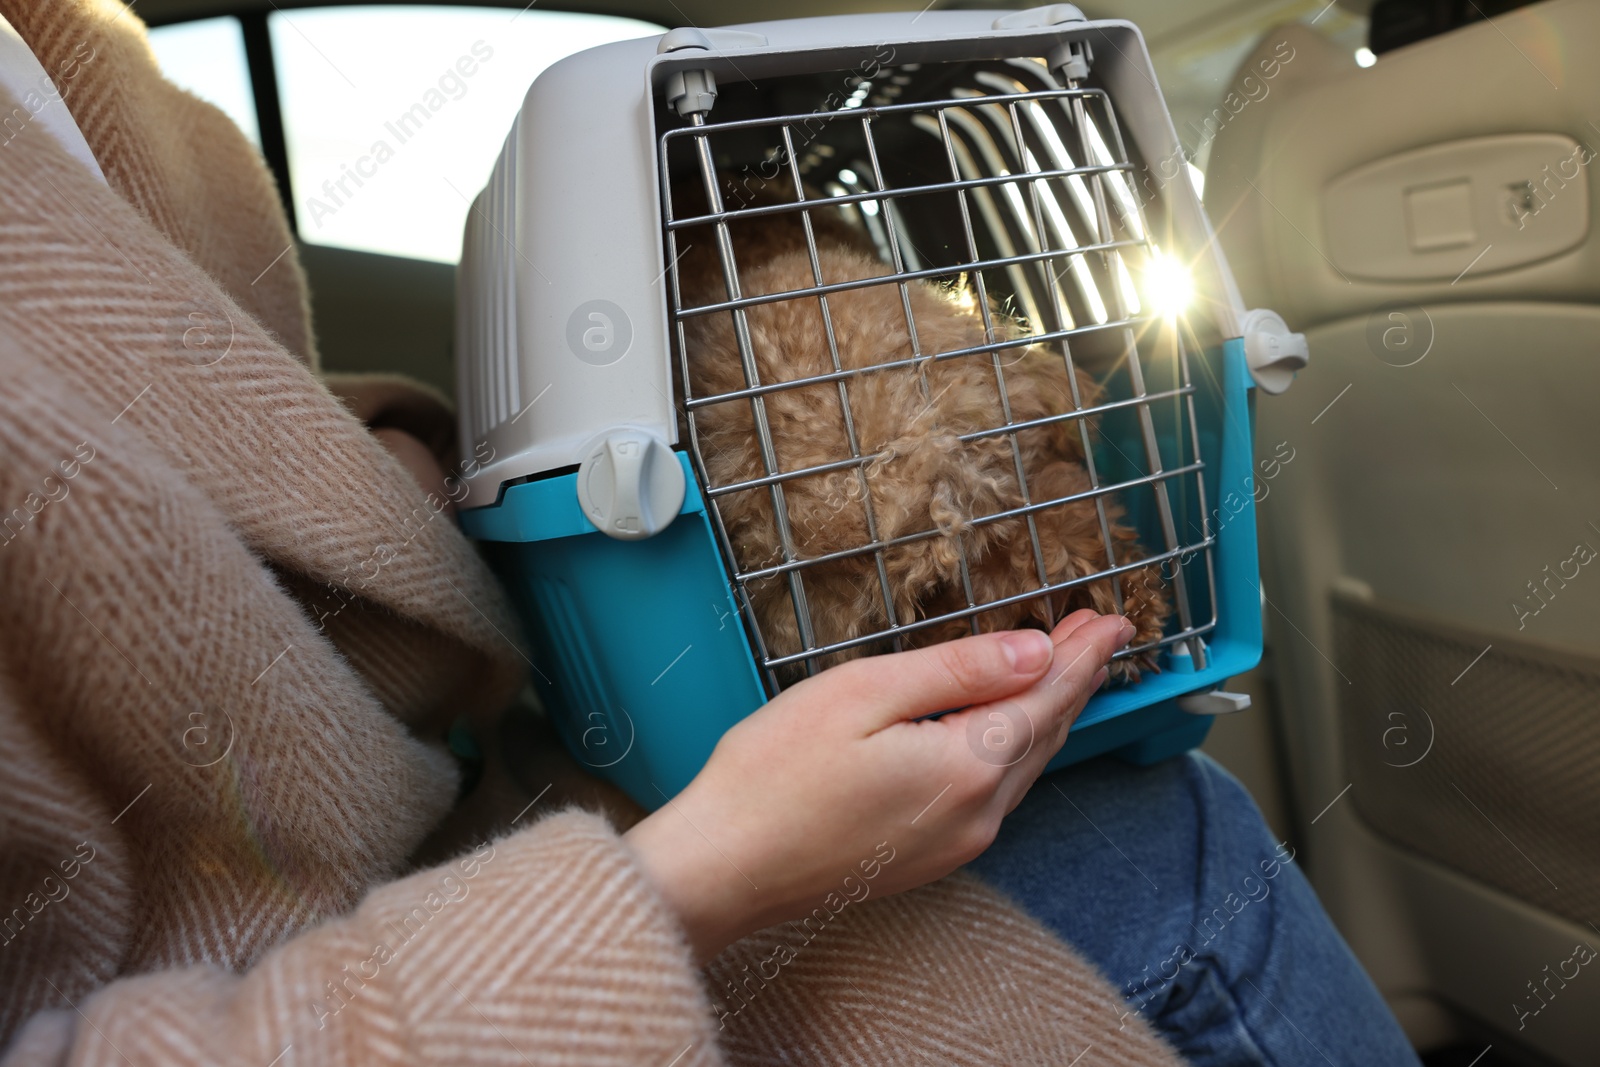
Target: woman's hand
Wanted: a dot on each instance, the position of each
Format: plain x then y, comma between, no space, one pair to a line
836,777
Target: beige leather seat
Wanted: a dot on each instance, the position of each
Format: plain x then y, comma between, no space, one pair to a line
1433,554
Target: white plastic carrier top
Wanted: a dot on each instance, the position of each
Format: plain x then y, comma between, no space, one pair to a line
562,307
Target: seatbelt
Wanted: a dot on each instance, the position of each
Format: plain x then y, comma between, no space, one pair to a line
38,101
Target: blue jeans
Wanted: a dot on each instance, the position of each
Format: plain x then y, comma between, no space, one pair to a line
1168,879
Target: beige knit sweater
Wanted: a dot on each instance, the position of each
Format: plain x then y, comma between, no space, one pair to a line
232,634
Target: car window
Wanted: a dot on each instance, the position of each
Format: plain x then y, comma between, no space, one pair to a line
207,58
393,116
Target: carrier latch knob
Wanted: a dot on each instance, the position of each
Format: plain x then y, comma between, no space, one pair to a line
630,485
1273,354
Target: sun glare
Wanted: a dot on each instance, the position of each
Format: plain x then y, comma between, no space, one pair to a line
1168,285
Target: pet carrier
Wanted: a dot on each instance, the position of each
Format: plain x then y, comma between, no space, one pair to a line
1027,160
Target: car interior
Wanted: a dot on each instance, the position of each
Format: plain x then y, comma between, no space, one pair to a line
1409,189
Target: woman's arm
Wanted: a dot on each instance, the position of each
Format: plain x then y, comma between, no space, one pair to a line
843,769
546,946
508,947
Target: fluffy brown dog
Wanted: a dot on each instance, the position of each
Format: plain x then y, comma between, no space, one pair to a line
925,477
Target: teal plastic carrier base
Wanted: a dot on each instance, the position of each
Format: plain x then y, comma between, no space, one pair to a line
643,660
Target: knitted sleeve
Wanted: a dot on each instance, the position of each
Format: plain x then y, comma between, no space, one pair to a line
182,164
202,797
545,947
952,972
232,635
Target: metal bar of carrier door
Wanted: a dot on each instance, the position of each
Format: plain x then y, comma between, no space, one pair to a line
860,462
1113,297
752,377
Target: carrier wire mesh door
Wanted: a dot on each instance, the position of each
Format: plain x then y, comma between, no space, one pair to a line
1030,184
1003,164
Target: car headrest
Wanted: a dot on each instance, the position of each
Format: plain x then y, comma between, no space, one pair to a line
1456,169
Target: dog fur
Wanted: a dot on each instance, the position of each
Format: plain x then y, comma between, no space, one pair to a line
926,478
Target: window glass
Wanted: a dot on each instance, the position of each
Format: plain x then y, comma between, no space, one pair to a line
393,116
206,57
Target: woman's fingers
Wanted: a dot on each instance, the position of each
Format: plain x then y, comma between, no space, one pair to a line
1082,649
1050,705
1069,625
896,687
833,770
1026,727
1019,733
